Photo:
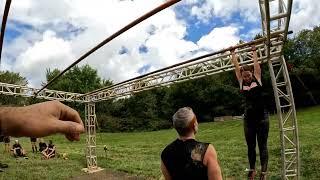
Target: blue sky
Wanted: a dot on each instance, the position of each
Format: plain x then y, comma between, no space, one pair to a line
196,29
52,34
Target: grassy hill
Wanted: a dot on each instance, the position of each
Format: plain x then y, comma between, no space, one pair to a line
138,153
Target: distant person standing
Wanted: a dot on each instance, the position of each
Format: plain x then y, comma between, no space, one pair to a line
6,140
2,165
33,141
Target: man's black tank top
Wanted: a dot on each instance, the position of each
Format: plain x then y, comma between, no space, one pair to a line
255,107
184,159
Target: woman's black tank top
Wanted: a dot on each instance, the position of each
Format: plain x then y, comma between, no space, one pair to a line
255,106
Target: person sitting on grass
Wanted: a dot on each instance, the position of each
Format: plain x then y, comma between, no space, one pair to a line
43,148
42,145
17,150
50,151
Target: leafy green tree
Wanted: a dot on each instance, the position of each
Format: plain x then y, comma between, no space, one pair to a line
12,78
303,55
79,79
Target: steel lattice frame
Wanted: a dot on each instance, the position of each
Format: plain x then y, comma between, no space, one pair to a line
271,22
90,120
47,94
275,29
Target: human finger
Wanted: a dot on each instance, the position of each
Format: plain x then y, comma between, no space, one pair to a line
73,137
69,114
68,128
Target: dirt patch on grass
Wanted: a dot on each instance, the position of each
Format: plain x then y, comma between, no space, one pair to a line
108,174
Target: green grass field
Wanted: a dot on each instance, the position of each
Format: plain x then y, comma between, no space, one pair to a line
138,153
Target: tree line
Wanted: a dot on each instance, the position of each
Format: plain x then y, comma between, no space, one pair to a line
210,97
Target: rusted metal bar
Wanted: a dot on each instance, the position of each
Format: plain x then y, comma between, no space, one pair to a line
124,29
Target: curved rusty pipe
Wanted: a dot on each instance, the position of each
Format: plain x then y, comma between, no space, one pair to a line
124,29
3,26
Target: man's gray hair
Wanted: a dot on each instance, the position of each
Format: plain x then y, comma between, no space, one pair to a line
182,118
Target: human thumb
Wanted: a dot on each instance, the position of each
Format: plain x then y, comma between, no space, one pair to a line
69,127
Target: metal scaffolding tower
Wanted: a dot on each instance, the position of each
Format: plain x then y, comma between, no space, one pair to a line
90,120
275,18
275,15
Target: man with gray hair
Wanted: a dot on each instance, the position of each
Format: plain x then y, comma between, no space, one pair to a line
186,158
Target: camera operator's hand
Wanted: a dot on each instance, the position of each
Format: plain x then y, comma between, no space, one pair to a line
42,119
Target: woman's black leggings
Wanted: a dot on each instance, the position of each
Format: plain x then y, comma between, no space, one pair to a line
257,130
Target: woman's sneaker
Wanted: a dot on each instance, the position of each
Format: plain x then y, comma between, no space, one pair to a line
251,174
263,176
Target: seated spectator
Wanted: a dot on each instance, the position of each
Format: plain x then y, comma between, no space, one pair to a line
42,145
50,151
17,150
43,148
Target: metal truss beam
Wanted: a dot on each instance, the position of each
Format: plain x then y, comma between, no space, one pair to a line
90,122
278,20
287,118
187,71
24,91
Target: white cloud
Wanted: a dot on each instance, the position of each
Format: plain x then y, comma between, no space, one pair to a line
39,12
50,52
305,15
224,9
98,20
251,34
220,38
45,44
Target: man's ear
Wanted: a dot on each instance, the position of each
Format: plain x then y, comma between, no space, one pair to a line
194,125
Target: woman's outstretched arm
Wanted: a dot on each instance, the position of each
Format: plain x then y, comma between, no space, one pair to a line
235,62
256,65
